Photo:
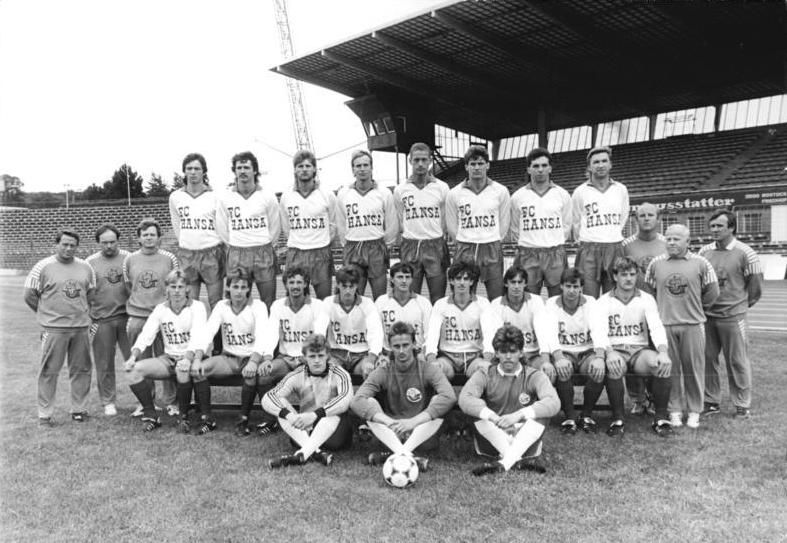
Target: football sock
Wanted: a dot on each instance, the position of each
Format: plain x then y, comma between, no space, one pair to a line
661,393
499,439
530,432
591,394
616,394
142,391
565,391
635,387
387,437
298,436
202,392
421,433
323,430
183,395
247,394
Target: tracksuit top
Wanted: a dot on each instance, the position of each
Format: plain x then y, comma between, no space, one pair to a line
541,220
240,333
358,330
685,287
288,329
332,392
310,222
421,212
368,216
415,312
739,272
630,324
176,329
62,292
531,319
478,218
502,393
248,222
194,219
599,217
145,275
110,297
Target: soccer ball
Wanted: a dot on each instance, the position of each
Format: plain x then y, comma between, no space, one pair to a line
400,470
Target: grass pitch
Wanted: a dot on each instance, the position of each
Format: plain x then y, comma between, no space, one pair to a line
105,480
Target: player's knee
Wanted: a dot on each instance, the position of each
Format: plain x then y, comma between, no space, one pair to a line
446,367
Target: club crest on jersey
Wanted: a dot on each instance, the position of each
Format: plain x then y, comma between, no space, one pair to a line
677,284
524,398
114,275
413,395
71,289
148,279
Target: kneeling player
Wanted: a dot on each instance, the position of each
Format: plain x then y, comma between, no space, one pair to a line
241,321
631,315
405,399
578,349
513,404
323,391
175,318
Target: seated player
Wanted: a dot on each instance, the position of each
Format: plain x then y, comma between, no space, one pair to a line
241,321
459,335
578,349
355,333
632,315
513,404
524,310
404,400
293,318
323,391
401,304
175,319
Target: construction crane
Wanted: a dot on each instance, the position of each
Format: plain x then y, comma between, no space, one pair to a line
297,109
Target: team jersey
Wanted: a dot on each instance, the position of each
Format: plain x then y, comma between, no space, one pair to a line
367,216
631,323
308,222
415,312
599,217
194,219
541,220
288,329
248,222
421,212
456,330
642,252
739,272
494,391
584,330
62,289
110,296
332,392
176,328
358,330
144,275
478,218
404,394
685,287
531,319
240,332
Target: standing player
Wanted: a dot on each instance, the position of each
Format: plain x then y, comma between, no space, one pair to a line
420,208
323,392
355,333
643,247
404,401
58,289
175,319
248,220
367,224
540,224
192,210
477,216
686,287
461,327
739,272
525,310
631,317
600,211
402,304
242,322
144,271
579,350
308,220
108,313
293,318
513,404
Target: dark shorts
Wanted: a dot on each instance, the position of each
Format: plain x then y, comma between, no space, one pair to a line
595,259
346,359
630,354
487,256
318,262
206,265
544,265
259,261
429,255
369,255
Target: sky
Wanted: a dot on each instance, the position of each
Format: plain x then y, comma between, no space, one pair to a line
88,85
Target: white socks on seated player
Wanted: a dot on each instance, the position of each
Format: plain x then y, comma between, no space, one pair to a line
309,443
511,447
420,433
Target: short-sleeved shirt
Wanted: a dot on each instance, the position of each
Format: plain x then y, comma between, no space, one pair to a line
146,273
734,265
62,289
109,299
642,252
680,284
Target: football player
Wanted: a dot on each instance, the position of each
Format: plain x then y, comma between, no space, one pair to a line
402,304
404,400
323,391
513,404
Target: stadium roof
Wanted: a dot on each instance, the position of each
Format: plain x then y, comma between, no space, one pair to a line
492,68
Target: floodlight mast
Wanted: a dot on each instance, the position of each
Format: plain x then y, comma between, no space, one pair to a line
300,123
